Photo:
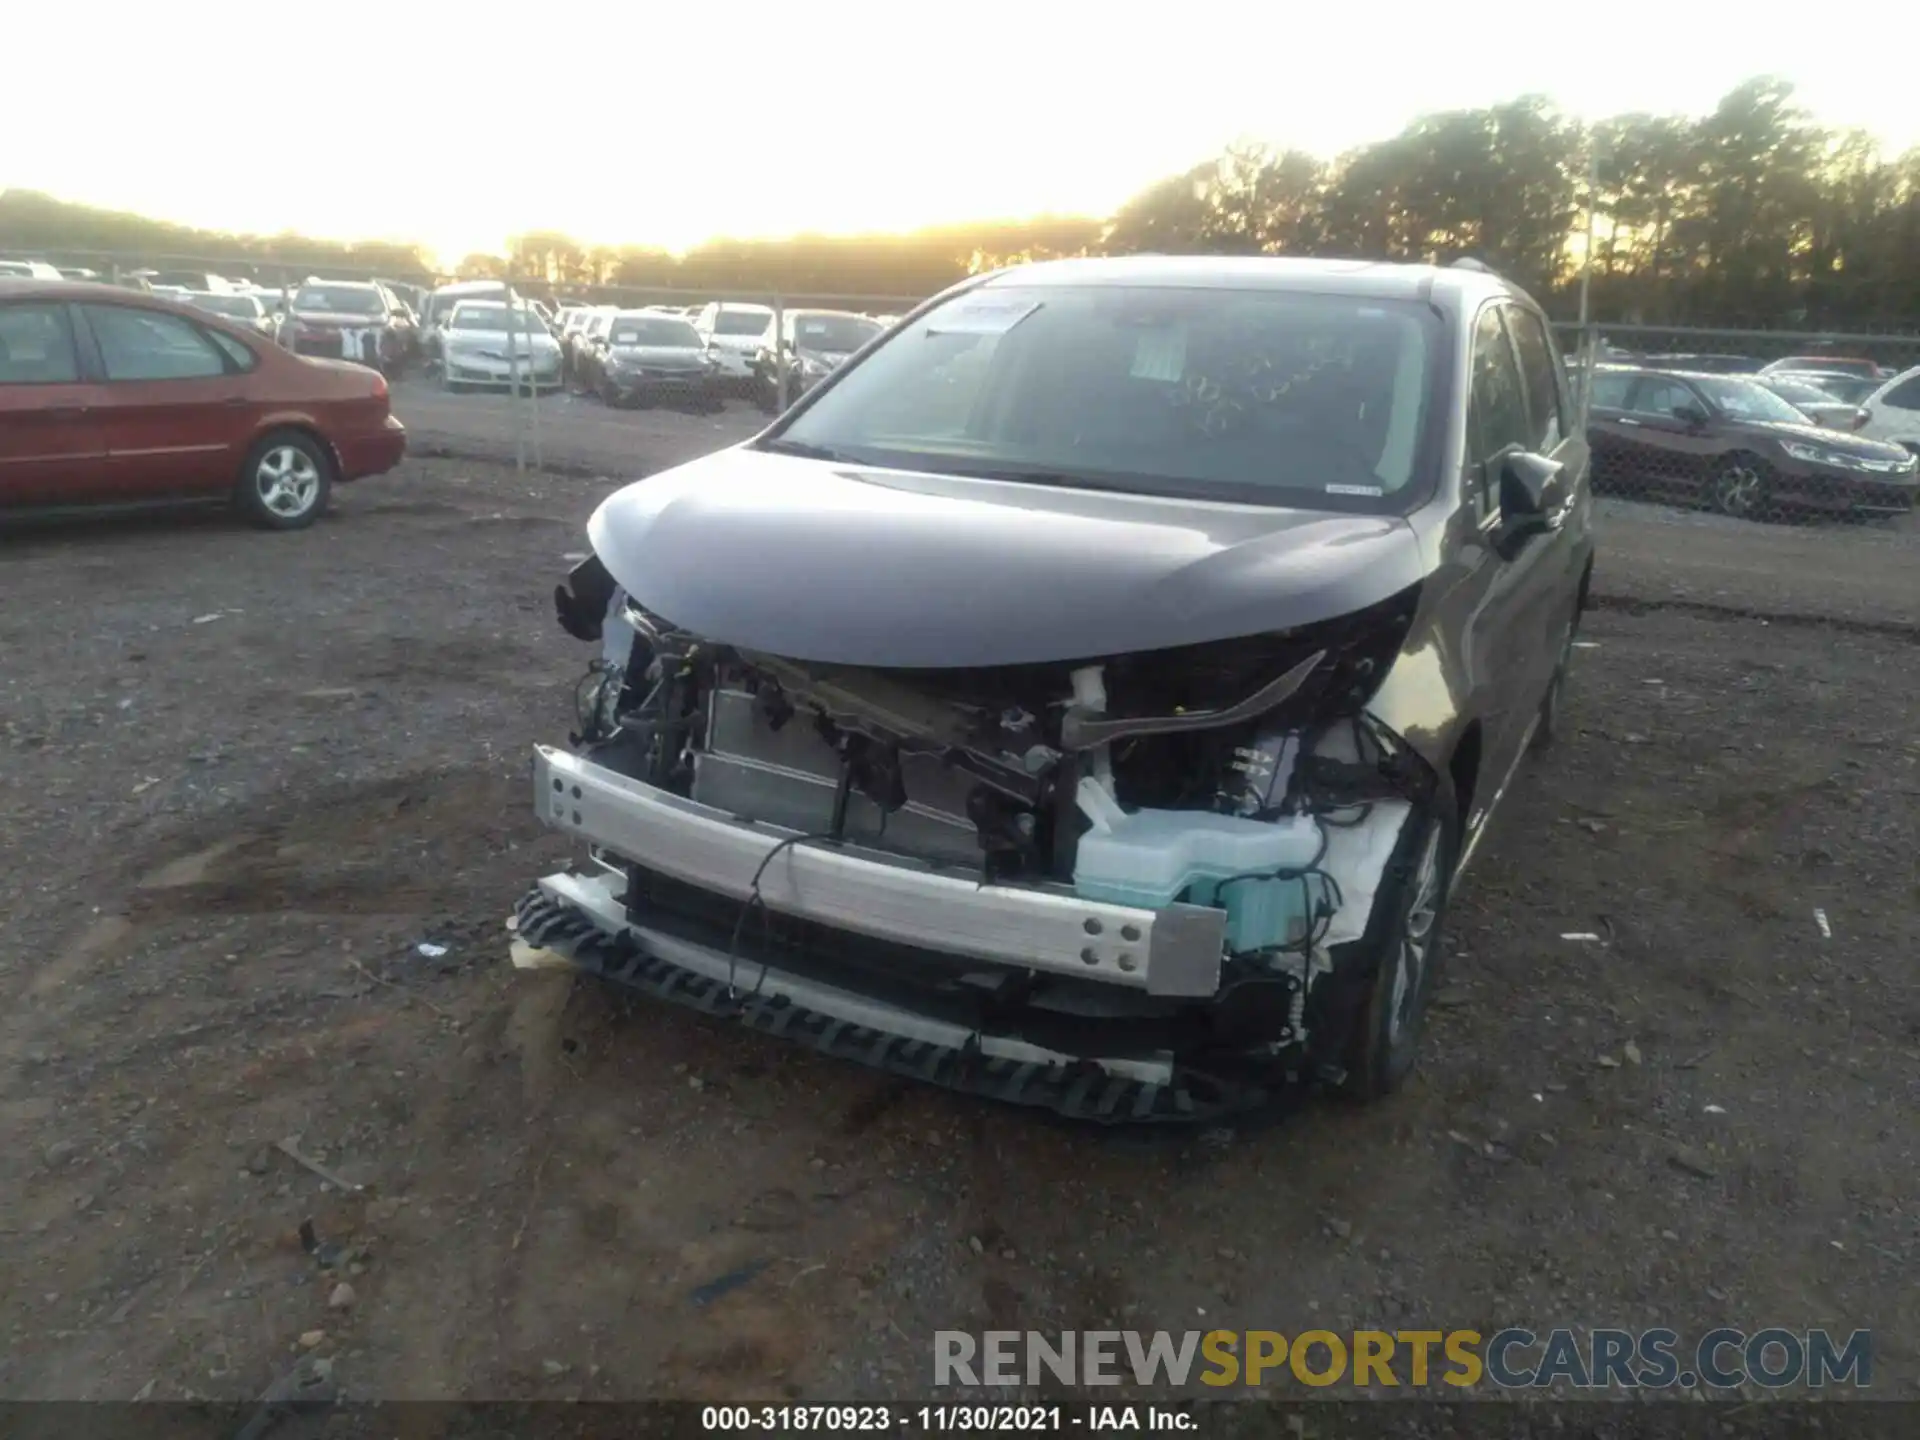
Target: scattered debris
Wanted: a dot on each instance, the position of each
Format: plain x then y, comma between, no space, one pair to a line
59,1152
1820,919
975,1244
206,619
312,1339
430,950
290,1147
1584,936
1586,644
342,1297
536,957
260,1161
1594,826
553,1369
145,1392
146,785
1632,1052
326,1254
1340,1228
1692,1161
1607,1062
1716,1109
725,1284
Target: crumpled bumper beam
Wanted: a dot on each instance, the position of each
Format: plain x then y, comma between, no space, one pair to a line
582,919
1174,952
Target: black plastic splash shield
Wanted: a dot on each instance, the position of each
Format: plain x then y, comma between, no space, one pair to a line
1078,1090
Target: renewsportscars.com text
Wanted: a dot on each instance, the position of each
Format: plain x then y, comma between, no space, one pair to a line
1514,1358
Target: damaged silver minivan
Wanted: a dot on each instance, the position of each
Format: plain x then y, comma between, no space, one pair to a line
1089,695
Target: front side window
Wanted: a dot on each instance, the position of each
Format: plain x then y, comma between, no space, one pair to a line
1540,369
1267,396
146,345
1661,396
1905,395
1497,419
36,346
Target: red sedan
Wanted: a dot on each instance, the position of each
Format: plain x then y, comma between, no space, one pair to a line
108,397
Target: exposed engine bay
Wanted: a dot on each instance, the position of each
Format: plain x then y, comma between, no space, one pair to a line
1242,775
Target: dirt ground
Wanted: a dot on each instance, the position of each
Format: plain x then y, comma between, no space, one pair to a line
245,777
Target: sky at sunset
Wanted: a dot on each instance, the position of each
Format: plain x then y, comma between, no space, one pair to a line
668,124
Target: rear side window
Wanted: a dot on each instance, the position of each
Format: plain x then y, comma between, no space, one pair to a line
1661,396
146,345
1540,370
36,346
1610,389
1905,395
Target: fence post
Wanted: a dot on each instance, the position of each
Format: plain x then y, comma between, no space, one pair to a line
779,356
513,382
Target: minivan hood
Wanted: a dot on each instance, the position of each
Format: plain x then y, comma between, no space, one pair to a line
855,565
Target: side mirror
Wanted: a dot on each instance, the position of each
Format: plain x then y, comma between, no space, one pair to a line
1692,414
1532,491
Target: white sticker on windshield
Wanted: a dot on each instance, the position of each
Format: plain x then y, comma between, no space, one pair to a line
981,315
1160,354
1373,491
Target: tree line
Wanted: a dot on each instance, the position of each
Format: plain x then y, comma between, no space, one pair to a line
1752,215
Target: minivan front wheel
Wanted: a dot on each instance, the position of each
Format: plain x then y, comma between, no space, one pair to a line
1387,1034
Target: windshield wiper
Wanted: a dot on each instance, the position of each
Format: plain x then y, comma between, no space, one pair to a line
804,450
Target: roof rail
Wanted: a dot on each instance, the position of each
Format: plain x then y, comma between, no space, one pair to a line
1467,262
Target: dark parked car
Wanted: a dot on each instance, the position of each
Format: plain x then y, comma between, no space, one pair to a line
349,320
108,397
814,343
1097,686
652,357
1730,442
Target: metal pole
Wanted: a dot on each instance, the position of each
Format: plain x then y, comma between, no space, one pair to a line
1587,337
779,356
533,398
513,382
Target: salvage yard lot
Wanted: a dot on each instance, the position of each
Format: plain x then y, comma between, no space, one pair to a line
246,777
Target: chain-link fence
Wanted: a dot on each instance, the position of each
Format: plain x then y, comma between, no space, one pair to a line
1759,426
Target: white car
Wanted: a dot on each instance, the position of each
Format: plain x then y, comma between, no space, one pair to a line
1893,411
483,340
28,270
735,334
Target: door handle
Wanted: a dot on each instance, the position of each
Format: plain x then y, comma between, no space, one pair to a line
1625,421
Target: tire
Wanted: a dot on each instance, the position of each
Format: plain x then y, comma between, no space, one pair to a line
1740,487
285,481
609,396
1386,1037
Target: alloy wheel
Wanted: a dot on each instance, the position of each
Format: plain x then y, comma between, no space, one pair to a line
1738,489
287,481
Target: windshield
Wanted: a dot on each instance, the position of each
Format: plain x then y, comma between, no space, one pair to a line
339,300
1748,400
469,316
1799,392
1261,395
240,307
662,331
1851,389
741,322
